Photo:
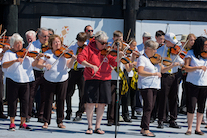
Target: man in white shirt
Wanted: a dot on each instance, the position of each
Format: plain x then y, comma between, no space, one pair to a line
43,37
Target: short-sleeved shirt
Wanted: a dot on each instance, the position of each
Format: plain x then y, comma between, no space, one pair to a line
21,73
149,81
58,72
140,48
197,77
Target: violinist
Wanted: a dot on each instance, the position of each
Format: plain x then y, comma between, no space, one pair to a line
97,87
117,35
169,83
55,80
76,78
30,36
146,36
133,78
191,40
160,38
2,51
43,36
89,32
195,65
123,92
19,73
148,84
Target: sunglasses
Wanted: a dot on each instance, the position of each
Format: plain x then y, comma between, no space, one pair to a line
90,30
45,36
103,43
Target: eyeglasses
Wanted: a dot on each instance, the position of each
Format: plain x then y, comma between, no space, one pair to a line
90,30
103,43
45,36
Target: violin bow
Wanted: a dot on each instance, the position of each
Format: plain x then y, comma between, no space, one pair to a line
3,33
103,60
128,35
180,51
61,54
0,28
27,51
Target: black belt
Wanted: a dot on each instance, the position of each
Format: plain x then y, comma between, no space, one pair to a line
169,74
40,71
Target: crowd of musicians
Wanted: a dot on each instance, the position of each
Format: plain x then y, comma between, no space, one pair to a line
149,76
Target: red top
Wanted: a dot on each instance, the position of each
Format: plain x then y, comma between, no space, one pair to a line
93,56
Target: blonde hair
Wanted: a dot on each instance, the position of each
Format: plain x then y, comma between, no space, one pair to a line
52,38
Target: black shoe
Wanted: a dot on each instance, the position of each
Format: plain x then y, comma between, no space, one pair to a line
27,120
3,116
40,120
67,117
127,119
139,112
152,120
77,118
110,124
174,125
134,117
160,125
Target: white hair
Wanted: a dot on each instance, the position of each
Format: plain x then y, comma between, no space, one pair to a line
151,44
39,31
30,32
15,38
101,36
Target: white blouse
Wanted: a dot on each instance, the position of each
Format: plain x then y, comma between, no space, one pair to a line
197,77
149,81
58,72
21,73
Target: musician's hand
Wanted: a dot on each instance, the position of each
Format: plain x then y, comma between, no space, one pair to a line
48,66
40,55
121,54
6,47
19,60
74,57
157,74
95,68
176,64
202,67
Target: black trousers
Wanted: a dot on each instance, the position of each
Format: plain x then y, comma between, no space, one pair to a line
58,88
75,77
149,97
111,110
132,96
38,83
196,95
1,91
169,91
17,91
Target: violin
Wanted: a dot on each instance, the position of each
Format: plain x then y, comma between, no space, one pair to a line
4,38
45,47
157,59
204,54
81,48
2,45
21,53
109,50
61,51
176,49
125,60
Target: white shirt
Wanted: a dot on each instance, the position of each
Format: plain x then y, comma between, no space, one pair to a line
197,77
141,48
21,73
178,59
149,81
1,49
75,48
58,72
35,46
114,74
131,73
